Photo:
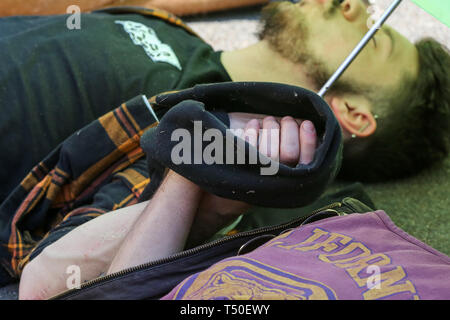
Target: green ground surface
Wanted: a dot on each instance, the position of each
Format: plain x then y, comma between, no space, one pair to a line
419,205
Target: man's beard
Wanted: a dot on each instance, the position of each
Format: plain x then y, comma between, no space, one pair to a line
284,28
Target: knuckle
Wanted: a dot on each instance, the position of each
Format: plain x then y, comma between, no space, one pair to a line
289,156
253,123
270,122
287,119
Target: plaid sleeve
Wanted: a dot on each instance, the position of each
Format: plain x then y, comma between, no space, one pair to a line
98,169
123,190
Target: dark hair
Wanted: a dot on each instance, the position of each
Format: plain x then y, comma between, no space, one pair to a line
414,133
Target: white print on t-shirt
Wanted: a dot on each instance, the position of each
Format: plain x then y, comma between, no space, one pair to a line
146,38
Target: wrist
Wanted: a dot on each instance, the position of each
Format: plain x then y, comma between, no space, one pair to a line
181,181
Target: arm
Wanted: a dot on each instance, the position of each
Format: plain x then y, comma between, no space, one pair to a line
140,233
189,7
178,7
200,215
47,7
90,246
163,226
93,246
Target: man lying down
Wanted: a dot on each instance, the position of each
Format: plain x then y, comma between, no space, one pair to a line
391,102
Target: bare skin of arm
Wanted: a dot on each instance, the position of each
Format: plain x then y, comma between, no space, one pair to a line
163,227
178,7
139,234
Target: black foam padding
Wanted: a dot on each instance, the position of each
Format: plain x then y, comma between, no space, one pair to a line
289,187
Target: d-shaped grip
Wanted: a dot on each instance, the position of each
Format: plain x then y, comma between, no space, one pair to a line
196,144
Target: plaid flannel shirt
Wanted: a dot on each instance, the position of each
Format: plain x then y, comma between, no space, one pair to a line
98,169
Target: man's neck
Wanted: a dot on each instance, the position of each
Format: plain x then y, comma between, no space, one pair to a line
261,63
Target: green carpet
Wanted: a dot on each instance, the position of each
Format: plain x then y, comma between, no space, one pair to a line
419,205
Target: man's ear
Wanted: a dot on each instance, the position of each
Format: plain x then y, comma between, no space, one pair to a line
354,114
352,9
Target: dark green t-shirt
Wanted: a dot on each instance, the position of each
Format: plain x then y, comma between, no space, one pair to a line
54,80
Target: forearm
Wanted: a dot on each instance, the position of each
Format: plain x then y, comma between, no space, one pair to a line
163,227
189,7
178,7
116,240
91,247
47,7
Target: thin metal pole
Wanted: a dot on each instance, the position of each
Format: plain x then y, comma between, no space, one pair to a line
359,48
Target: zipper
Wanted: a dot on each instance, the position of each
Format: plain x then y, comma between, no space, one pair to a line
195,250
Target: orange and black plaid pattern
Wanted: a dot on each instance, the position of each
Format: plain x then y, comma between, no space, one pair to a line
98,169
75,182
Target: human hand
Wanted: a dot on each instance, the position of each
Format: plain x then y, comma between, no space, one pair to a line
297,138
296,144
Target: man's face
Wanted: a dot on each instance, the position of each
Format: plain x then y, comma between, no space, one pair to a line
322,33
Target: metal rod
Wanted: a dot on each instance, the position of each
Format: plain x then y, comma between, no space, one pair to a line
144,97
369,35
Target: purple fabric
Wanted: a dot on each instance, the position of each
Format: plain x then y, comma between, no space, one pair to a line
354,257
